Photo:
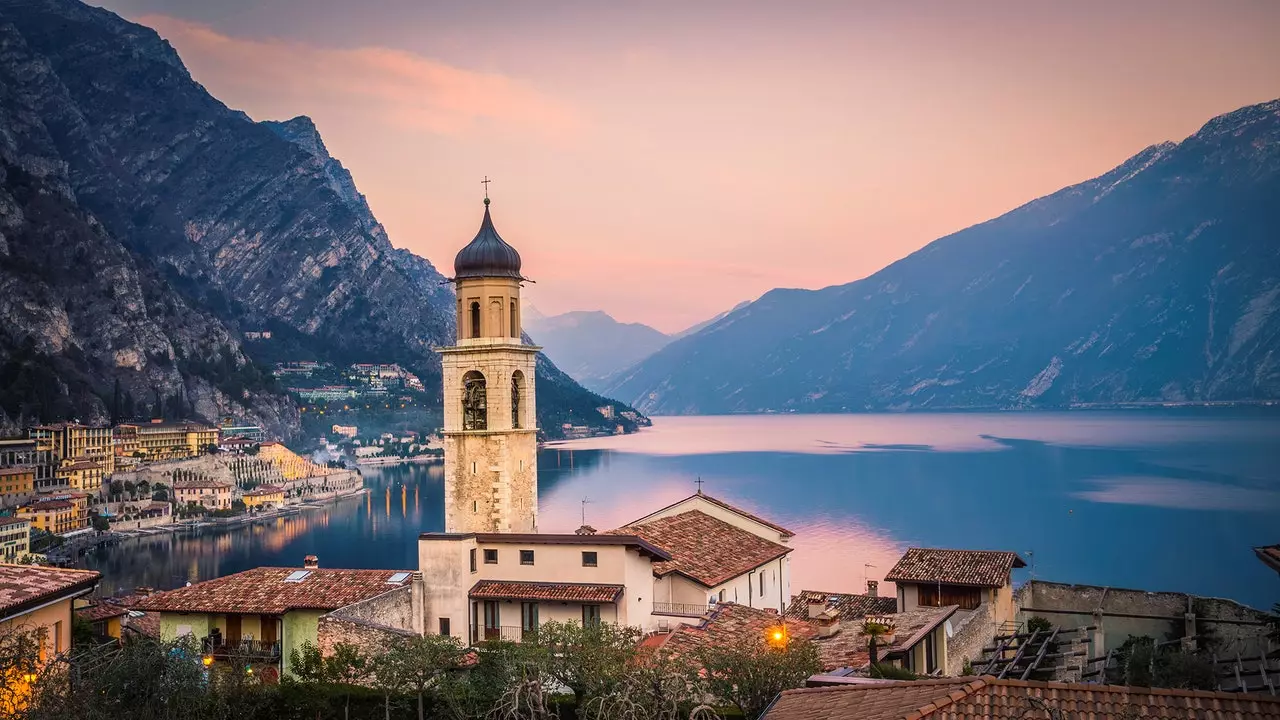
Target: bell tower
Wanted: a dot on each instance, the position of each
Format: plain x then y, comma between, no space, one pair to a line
490,427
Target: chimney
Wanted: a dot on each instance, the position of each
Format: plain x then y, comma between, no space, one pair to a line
817,607
873,588
585,530
311,562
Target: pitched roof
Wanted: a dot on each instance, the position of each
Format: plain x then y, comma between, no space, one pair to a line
978,568
704,549
1269,554
265,590
717,501
730,623
101,611
7,520
48,505
846,606
987,697
848,647
571,592
25,586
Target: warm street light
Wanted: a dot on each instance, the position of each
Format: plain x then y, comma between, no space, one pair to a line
207,660
777,636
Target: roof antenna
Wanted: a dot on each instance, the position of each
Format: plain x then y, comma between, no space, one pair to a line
584,509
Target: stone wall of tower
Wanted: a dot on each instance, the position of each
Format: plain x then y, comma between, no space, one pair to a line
491,475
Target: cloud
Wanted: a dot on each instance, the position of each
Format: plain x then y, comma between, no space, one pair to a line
1181,495
400,88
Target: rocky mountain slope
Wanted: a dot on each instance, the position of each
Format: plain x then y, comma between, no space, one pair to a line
590,345
255,222
1157,281
87,328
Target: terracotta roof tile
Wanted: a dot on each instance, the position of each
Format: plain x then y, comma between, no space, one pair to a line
847,606
848,647
571,592
731,508
1009,699
101,611
731,623
22,584
49,505
706,549
265,590
8,520
979,568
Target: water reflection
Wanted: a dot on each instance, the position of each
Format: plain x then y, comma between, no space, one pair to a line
1170,501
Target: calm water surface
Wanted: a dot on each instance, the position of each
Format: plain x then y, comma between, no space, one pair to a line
1154,500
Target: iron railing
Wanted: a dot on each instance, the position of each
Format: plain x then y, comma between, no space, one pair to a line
242,648
681,609
506,632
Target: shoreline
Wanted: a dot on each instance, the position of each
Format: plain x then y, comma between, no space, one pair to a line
382,462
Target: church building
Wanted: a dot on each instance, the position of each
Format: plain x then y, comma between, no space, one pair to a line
490,427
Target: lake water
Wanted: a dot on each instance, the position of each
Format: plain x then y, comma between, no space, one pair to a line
1158,500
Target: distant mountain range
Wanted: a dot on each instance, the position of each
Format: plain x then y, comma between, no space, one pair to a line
146,227
592,347
1157,281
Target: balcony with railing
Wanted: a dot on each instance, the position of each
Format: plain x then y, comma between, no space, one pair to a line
242,649
506,632
680,609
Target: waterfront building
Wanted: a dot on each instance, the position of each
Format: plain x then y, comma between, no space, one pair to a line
17,485
265,495
73,442
213,494
15,539
264,614
490,434
163,440
53,516
39,599
81,476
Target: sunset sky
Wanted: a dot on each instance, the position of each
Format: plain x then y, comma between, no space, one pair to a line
663,161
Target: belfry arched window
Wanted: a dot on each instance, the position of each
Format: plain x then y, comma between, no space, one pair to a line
475,407
475,319
517,390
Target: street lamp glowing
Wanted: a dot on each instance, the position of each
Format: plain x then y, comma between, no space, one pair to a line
777,635
207,660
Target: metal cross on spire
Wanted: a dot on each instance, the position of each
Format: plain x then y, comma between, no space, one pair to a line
485,182
699,482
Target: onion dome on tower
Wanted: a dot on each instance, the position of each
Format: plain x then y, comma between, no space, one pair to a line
488,255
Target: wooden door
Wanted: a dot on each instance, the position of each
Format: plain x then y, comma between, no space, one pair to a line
233,629
269,629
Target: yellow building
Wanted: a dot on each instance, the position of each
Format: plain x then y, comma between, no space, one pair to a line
16,485
212,494
53,516
15,539
264,495
159,440
290,464
71,442
81,475
37,600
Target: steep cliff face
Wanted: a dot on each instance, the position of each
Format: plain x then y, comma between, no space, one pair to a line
88,329
255,221
1158,281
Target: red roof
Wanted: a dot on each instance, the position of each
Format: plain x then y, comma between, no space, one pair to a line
993,699
50,505
977,568
266,590
568,592
705,549
846,606
731,508
24,586
731,623
101,611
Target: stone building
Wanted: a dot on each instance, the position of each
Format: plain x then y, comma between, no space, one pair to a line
490,427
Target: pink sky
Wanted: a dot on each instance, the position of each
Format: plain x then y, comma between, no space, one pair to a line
664,161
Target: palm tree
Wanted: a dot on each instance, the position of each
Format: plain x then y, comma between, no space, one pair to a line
875,629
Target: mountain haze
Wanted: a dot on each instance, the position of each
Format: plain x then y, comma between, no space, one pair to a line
252,224
590,345
1157,281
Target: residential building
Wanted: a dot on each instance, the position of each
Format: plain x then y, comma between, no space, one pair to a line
719,553
29,453
38,599
266,613
213,494
54,516
107,618
163,440
73,442
503,585
17,485
15,539
490,426
81,476
325,393
993,699
346,430
263,496
252,432
970,579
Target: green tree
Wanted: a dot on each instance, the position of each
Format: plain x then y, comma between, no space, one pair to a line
750,672
587,659
416,662
874,631
657,686
101,524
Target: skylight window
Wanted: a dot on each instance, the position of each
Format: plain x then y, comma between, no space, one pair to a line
297,576
397,578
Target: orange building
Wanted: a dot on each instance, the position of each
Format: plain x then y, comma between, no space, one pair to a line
17,484
81,475
53,516
264,495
